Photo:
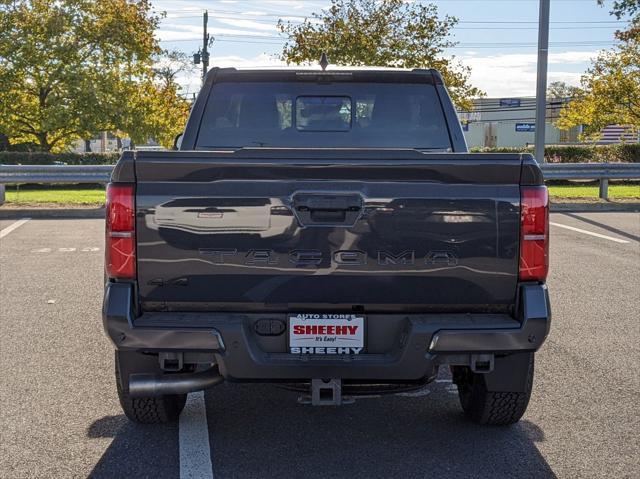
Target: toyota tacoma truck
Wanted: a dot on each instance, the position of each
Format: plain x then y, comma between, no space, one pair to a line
329,232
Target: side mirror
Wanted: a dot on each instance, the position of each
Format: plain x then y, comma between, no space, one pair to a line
177,141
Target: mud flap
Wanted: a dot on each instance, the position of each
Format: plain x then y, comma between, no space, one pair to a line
510,373
132,362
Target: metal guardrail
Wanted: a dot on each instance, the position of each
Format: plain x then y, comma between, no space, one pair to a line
592,171
52,174
55,173
17,174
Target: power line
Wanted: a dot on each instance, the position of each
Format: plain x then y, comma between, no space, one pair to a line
530,28
239,15
455,28
564,22
272,40
497,25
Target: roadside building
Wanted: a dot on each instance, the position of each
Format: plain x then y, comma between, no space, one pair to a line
510,122
107,142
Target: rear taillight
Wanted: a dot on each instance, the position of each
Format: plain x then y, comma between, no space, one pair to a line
534,233
120,247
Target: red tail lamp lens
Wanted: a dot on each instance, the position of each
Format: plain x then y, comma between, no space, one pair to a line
534,227
120,248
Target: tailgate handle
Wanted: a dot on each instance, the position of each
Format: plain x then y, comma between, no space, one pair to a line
323,209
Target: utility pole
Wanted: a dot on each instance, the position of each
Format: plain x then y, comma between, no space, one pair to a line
205,45
541,87
202,56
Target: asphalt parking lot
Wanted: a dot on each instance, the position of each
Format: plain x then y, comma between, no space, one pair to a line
60,416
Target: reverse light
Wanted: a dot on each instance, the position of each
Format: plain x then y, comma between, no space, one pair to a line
120,247
534,233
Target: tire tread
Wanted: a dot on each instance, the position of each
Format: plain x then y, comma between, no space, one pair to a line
150,410
495,407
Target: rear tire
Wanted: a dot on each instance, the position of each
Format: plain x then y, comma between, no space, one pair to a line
484,406
149,410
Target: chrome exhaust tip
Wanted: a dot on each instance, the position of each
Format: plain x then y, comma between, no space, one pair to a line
146,385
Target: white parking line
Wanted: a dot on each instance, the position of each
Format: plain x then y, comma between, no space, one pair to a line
591,233
193,437
13,226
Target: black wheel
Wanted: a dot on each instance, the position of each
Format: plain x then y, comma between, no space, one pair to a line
149,410
486,406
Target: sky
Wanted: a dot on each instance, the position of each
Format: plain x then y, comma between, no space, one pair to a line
496,38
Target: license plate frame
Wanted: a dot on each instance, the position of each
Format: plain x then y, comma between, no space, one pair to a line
342,334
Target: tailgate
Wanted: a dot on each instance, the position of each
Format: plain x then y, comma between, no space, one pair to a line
340,230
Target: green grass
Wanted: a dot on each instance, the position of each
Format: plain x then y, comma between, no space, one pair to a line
57,196
94,195
626,191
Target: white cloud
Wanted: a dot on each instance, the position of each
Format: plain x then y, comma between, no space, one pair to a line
296,5
249,24
514,74
171,32
191,82
498,75
261,60
194,6
572,57
300,19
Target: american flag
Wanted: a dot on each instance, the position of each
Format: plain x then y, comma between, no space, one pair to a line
618,134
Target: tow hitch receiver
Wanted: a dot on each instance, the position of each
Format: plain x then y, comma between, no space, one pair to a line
325,392
482,363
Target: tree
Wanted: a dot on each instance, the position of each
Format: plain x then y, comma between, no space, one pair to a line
392,33
72,68
611,87
170,64
559,90
622,8
156,99
154,110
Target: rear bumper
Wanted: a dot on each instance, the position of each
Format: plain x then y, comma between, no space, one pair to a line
410,347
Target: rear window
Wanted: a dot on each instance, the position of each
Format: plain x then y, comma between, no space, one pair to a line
337,115
323,113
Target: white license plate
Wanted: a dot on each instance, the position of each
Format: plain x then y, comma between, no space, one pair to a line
326,334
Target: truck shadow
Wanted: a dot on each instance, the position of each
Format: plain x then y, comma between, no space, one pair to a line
260,431
136,451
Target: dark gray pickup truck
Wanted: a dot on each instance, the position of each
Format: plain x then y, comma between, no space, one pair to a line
329,232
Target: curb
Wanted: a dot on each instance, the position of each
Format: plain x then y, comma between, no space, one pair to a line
604,207
62,213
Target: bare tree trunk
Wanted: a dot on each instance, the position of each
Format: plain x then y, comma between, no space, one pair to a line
43,141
